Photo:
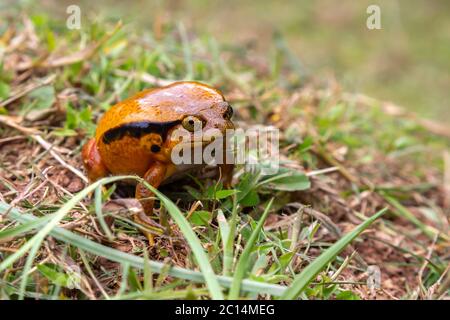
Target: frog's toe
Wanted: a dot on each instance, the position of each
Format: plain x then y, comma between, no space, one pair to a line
147,223
150,238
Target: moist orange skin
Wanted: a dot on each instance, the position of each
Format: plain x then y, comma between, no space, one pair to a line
117,148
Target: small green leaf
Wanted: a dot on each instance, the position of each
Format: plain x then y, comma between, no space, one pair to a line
4,90
50,272
222,194
347,295
44,97
251,199
193,192
71,118
403,142
285,259
51,42
133,281
296,181
200,218
306,145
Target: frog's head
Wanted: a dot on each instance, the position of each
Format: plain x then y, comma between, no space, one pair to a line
192,112
196,106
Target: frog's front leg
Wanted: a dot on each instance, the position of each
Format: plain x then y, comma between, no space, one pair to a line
226,174
154,176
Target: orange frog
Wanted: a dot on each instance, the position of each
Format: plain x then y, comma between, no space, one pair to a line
136,136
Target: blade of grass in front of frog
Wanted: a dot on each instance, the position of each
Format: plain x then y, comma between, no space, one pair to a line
56,218
302,280
138,262
24,228
224,229
34,243
244,259
99,213
274,178
27,267
228,239
232,235
193,241
91,273
124,283
148,276
163,295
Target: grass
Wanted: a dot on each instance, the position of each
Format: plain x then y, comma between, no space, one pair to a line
307,232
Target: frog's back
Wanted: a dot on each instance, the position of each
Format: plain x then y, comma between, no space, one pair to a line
159,106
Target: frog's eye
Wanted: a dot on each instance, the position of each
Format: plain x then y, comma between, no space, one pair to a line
192,123
228,113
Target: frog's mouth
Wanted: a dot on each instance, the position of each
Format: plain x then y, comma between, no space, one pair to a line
196,143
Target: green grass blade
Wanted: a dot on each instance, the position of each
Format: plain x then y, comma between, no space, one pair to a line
245,256
26,269
402,211
53,222
224,229
164,295
124,282
148,276
91,273
308,274
24,228
194,243
228,235
138,262
99,213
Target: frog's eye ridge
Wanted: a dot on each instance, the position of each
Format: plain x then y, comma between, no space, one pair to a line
228,113
191,123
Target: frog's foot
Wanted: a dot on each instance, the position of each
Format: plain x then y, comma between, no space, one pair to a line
154,176
144,220
226,174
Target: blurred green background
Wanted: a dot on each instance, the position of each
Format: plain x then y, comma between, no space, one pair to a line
406,62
